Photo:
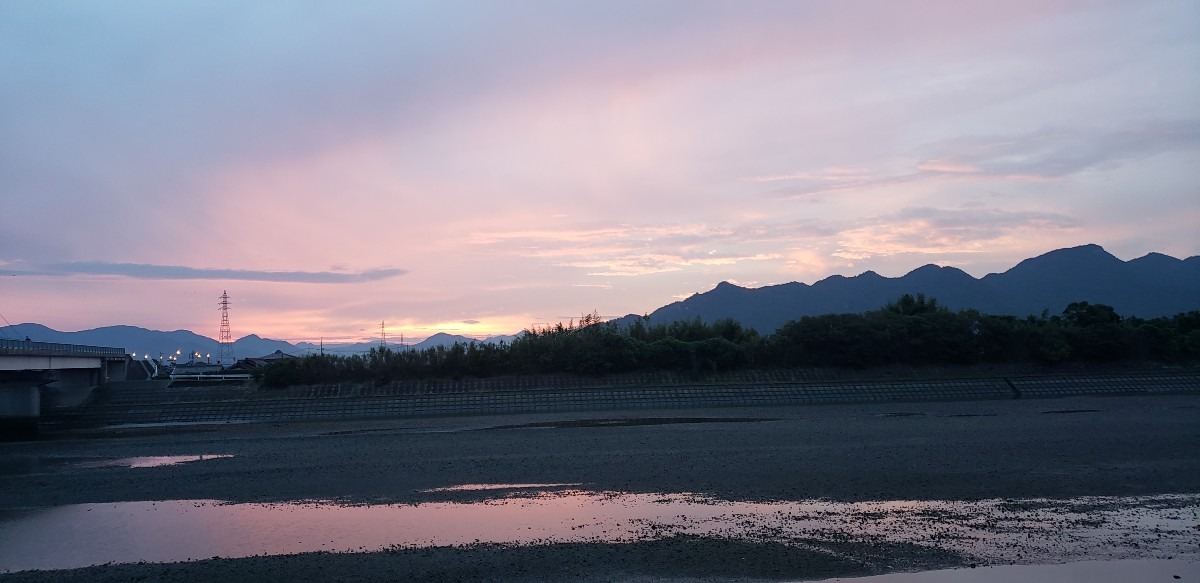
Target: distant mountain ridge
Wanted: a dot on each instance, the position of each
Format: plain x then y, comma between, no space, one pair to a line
439,339
1150,286
156,343
151,343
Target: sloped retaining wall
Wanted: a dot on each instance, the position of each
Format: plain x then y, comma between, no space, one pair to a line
1117,384
358,402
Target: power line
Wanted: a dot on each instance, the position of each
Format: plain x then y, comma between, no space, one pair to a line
10,325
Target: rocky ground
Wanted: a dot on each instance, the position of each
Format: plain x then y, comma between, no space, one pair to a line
1020,449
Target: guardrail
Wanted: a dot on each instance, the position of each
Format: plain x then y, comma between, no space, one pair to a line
30,348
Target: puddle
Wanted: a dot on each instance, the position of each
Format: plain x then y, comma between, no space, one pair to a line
152,461
1083,572
169,424
41,464
486,487
987,532
398,430
630,422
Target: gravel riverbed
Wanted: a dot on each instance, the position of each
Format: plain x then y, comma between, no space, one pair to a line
1112,450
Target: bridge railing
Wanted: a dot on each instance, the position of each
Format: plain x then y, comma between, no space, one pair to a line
30,348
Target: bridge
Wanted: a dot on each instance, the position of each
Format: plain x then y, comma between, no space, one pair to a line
63,374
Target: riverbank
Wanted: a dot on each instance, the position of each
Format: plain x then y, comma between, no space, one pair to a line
1059,449
143,403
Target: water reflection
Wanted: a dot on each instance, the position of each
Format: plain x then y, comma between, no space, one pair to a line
153,461
1081,572
485,487
994,531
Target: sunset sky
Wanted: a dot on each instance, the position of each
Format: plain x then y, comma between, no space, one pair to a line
480,167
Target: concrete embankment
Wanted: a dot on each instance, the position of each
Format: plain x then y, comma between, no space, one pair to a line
158,402
20,404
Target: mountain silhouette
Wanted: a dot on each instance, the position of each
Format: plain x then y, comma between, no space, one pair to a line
149,343
156,344
1150,286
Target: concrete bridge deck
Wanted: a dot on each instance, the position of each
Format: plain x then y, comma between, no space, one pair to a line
25,356
15,349
30,371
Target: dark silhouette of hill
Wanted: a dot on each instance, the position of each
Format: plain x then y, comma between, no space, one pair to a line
148,342
156,343
1150,286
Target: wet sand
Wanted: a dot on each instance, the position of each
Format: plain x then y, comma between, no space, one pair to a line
1053,448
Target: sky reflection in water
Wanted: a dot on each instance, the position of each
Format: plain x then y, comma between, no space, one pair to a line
154,461
992,531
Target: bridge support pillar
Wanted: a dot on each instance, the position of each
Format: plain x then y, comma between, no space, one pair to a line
20,409
70,387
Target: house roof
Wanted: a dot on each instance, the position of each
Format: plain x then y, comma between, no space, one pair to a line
277,355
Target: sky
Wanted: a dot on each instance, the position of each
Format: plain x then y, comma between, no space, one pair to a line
478,168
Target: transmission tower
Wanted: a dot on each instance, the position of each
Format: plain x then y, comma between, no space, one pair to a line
225,355
382,336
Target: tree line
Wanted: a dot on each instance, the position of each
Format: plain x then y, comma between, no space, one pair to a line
913,330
